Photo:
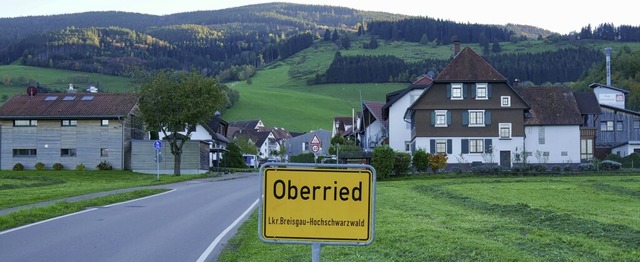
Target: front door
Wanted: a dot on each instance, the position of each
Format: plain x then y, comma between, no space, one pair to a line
505,159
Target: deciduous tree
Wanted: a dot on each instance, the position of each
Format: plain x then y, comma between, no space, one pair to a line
171,102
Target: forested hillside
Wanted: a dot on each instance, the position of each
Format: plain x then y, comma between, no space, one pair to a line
232,44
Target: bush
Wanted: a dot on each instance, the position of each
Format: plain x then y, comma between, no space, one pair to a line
420,160
402,163
486,170
614,157
18,167
383,161
80,167
610,165
556,169
456,170
631,161
437,161
58,166
538,168
303,158
40,166
586,167
567,168
104,165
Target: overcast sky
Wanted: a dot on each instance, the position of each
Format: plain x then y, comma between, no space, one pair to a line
557,16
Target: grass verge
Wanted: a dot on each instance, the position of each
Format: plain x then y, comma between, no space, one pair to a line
28,187
560,218
32,215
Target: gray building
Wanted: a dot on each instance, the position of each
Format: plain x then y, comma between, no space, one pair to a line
68,128
304,143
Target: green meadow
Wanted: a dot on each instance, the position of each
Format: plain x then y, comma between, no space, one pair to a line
434,218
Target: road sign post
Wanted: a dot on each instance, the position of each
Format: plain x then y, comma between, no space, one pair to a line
317,204
157,145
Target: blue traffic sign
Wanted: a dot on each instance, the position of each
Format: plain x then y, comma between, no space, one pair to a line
157,144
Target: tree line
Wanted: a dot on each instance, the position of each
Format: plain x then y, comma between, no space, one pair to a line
117,51
564,65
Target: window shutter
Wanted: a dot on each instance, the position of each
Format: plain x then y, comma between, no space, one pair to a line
465,146
473,91
449,146
449,91
489,90
487,146
448,117
465,118
433,118
432,146
465,92
487,117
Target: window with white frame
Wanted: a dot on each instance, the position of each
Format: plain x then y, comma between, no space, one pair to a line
69,122
481,91
441,118
407,146
305,146
456,91
505,130
441,146
25,122
541,136
476,117
606,126
505,101
619,126
104,152
104,122
476,145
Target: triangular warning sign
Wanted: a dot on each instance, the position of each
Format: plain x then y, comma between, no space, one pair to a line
315,140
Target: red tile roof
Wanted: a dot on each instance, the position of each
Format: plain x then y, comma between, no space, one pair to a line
468,65
551,106
68,105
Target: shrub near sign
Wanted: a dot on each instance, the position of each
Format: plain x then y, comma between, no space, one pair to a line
318,205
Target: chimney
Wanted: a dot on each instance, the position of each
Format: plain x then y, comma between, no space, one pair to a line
456,47
608,53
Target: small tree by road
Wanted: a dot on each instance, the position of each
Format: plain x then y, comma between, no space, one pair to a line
172,102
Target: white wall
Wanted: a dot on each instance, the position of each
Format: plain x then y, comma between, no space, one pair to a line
374,133
456,156
557,140
399,130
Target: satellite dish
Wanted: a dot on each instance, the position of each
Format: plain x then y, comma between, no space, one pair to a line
32,90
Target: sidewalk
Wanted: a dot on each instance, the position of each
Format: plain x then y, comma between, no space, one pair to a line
123,190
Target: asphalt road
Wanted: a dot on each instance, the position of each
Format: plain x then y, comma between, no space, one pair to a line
190,223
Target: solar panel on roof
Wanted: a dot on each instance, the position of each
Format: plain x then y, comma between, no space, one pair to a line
87,98
68,98
50,98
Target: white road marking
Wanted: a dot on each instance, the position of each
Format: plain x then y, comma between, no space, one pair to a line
215,242
77,213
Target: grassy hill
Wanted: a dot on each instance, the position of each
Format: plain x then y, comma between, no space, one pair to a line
279,94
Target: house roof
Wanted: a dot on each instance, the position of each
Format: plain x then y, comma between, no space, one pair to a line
278,133
68,105
236,126
245,124
468,65
614,108
215,124
376,110
587,103
594,85
257,136
421,83
551,106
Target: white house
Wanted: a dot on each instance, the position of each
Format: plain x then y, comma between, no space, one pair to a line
393,112
552,126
